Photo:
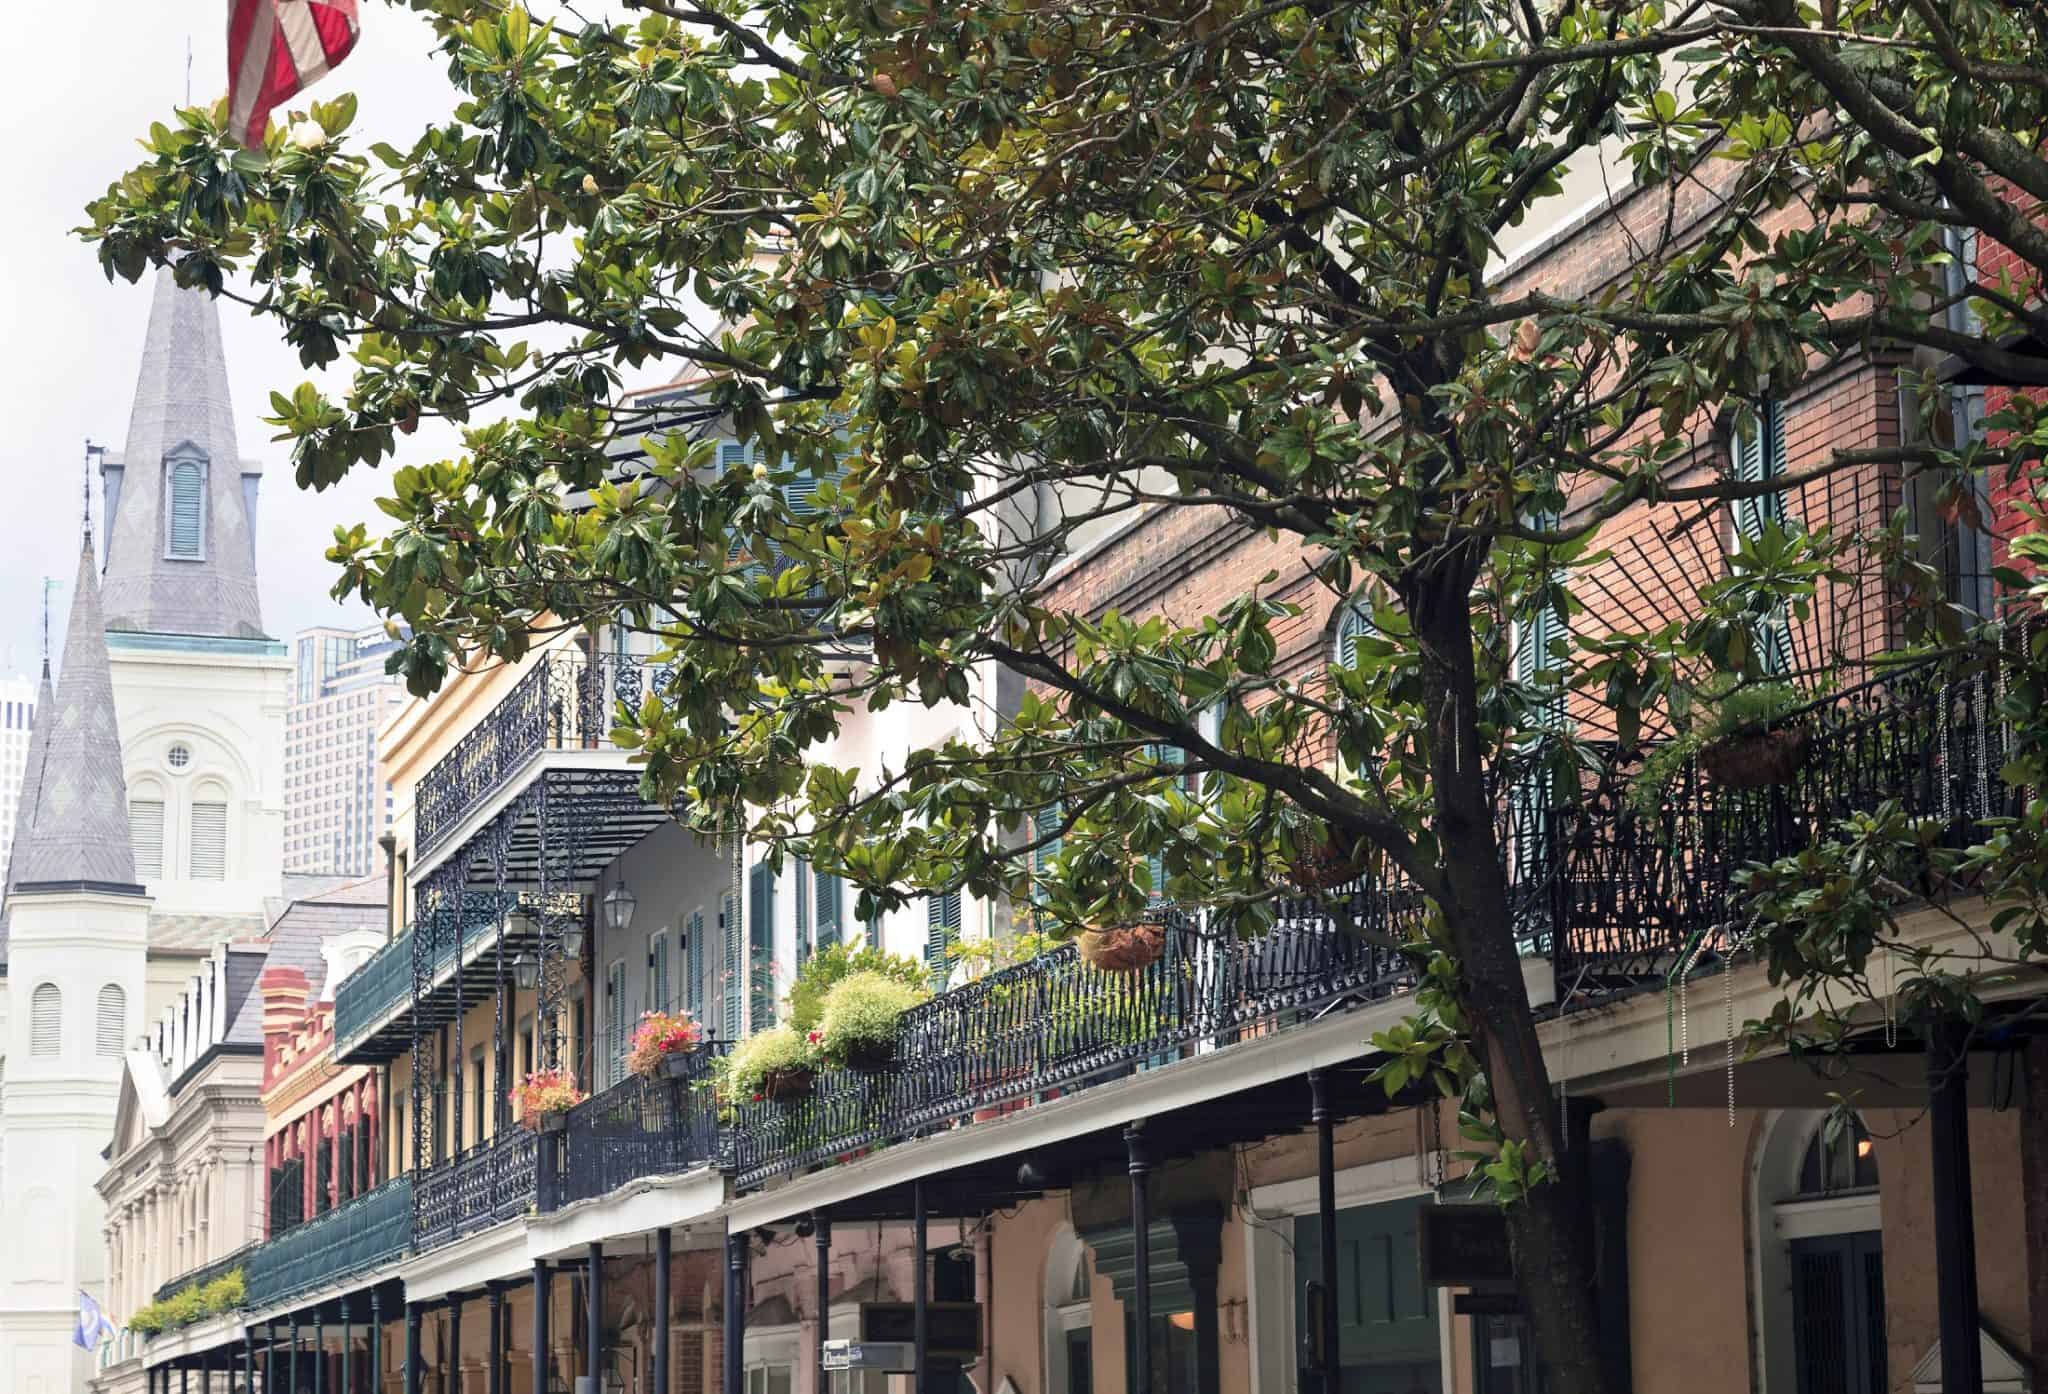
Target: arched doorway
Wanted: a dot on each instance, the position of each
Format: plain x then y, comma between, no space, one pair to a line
1069,1319
1820,1256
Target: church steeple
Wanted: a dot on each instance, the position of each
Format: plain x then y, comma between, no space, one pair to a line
180,506
76,825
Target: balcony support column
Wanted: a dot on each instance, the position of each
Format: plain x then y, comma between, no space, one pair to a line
593,1315
1955,1236
1326,1221
662,1257
821,1224
248,1361
348,1345
291,1361
735,1381
184,1378
920,1288
375,1352
270,1359
412,1348
1141,1257
494,1381
541,1297
452,1383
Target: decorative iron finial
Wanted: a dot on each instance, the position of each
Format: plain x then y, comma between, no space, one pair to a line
50,583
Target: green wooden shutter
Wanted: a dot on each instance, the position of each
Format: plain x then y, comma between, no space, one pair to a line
657,972
1043,824
1353,624
693,965
825,895
761,947
942,931
615,1019
1760,455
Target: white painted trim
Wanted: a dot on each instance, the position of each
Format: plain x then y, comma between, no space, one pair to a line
1810,1219
494,1255
687,1202
1396,1178
1184,1083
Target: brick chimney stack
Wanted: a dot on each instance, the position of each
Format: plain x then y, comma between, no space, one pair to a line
285,991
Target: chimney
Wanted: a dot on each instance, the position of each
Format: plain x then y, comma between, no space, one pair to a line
284,1014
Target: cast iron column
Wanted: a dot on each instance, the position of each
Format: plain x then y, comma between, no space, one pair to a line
735,1312
661,1264
453,1383
494,1379
348,1345
593,1316
319,1352
184,1379
270,1360
1141,1269
376,1347
1955,1236
291,1361
821,1224
412,1348
1326,1220
248,1361
920,1278
540,1324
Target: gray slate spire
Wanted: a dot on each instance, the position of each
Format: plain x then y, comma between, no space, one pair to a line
79,828
181,413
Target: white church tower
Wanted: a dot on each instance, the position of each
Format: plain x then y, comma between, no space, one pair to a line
77,935
151,827
200,688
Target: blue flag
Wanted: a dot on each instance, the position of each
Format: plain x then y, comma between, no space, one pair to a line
93,1326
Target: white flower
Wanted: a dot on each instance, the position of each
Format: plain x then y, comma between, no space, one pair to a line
589,184
306,134
760,470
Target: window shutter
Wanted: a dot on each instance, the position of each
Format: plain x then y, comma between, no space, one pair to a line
615,1018
825,902
1044,824
693,965
209,841
731,456
185,509
1353,624
942,931
146,834
657,972
1760,455
110,1029
761,948
46,1021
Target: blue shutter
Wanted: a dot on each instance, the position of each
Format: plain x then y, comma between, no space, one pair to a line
1353,624
693,965
761,948
941,932
186,482
825,902
733,968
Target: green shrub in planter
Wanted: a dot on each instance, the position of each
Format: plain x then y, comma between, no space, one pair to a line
767,1063
831,965
858,1025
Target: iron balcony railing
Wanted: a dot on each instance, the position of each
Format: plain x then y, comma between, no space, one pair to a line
637,1128
489,1184
368,995
362,1233
565,702
200,1277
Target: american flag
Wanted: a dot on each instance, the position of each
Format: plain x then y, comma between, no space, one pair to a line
277,48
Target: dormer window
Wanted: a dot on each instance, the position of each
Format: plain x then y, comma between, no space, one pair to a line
185,503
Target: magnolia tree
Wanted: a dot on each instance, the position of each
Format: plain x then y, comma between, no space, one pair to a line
988,275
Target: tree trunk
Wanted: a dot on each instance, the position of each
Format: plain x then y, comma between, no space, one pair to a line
1549,1230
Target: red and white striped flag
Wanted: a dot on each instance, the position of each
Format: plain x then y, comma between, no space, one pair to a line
277,48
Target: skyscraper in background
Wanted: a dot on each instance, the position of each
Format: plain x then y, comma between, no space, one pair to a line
336,806
17,717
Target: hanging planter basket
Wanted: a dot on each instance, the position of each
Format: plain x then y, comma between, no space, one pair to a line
1323,866
870,1057
1755,760
1124,950
555,1120
677,1064
788,1086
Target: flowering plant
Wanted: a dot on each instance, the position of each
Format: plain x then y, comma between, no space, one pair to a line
658,1036
544,1091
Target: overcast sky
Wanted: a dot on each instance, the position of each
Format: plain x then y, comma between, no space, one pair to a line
84,81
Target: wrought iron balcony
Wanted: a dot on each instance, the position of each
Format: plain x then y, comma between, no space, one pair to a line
488,1184
356,1236
635,1129
200,1277
565,702
373,1006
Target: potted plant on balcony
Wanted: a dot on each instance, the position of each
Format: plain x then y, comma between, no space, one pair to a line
826,968
662,1045
1319,861
544,1099
779,1065
857,1027
1739,738
1122,948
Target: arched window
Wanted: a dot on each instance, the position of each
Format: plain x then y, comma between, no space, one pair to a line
185,504
46,1020
1818,1236
1354,622
1846,1161
110,1029
1069,1318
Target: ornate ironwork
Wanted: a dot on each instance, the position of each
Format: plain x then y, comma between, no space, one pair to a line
488,1184
565,702
637,1128
361,1233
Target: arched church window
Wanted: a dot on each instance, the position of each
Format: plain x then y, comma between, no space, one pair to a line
110,1029
185,507
1838,1159
146,835
209,840
46,1020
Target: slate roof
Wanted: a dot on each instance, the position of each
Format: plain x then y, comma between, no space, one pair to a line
181,397
31,790
79,830
295,937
